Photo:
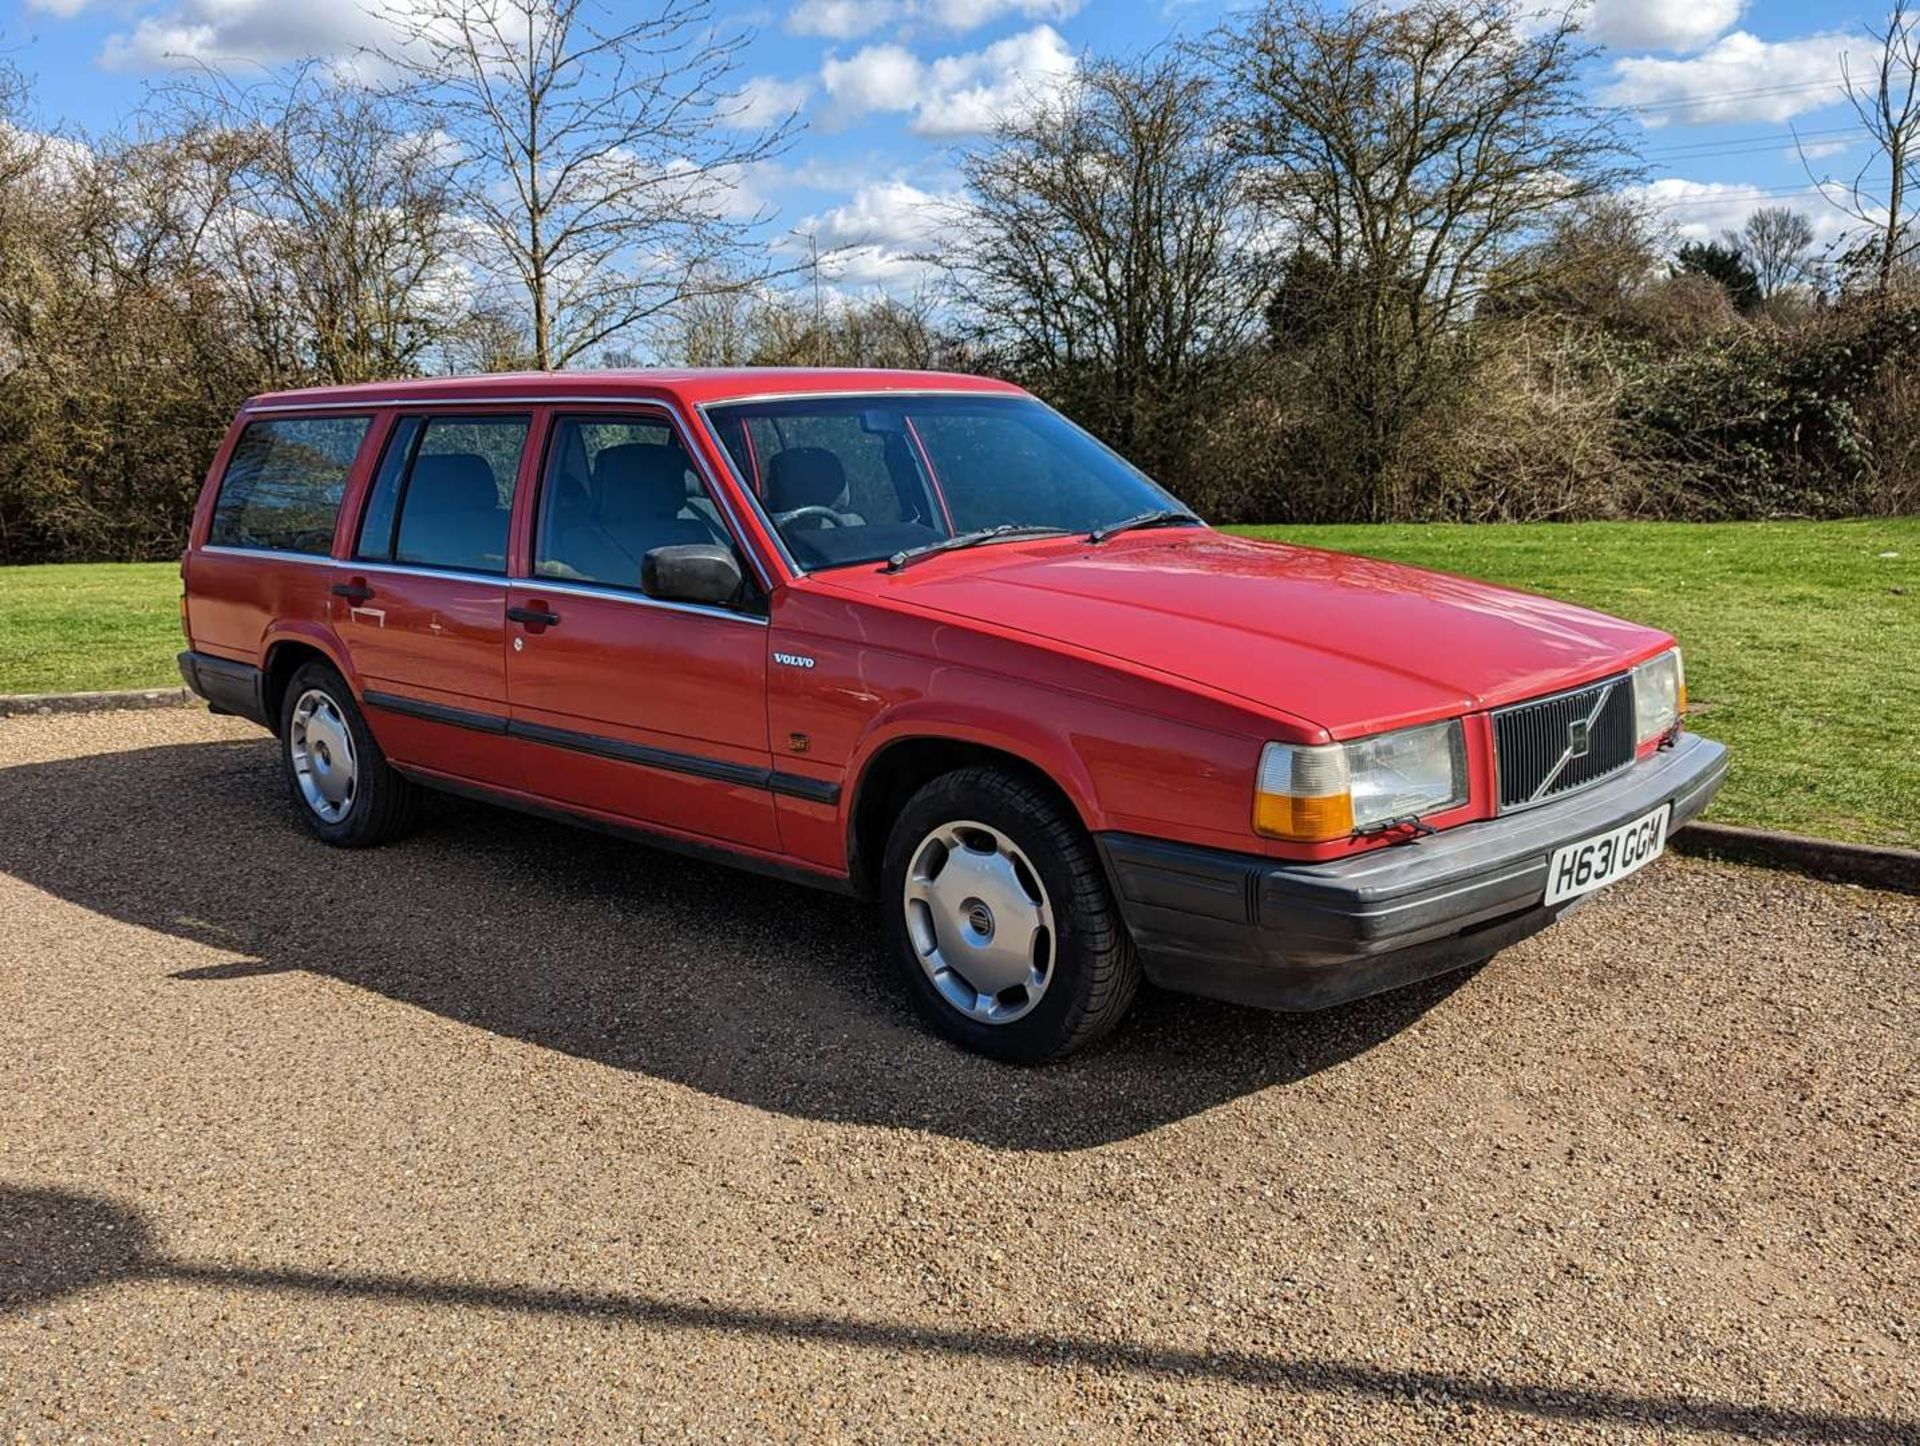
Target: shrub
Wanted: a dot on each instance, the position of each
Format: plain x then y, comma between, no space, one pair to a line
1766,421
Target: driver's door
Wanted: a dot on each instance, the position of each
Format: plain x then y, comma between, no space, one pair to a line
649,712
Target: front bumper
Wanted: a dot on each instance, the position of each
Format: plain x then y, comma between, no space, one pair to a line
1305,936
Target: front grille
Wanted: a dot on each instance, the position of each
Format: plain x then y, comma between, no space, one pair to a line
1535,742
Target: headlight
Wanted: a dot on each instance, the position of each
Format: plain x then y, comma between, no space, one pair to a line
1328,791
1659,696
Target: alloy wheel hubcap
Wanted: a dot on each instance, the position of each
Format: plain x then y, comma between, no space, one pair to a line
321,747
980,922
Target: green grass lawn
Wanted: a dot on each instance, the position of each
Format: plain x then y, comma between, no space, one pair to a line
86,627
1802,641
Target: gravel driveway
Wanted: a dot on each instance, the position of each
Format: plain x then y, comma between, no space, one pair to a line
510,1130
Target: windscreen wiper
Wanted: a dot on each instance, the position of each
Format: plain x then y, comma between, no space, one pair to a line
968,539
1160,517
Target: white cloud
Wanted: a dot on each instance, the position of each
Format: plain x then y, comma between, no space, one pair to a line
882,235
972,93
842,19
767,100
880,77
1702,210
1738,78
1659,24
850,19
211,32
962,15
739,192
954,95
65,9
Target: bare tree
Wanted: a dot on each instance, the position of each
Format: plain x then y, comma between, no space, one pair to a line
1593,266
20,147
1776,240
745,325
1408,151
1887,100
1105,253
345,222
713,328
597,150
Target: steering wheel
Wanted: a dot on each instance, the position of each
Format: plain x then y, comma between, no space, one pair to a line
825,514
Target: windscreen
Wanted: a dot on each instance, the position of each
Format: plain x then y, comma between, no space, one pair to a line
851,480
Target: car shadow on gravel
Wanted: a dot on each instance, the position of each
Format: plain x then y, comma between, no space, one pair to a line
56,1242
761,992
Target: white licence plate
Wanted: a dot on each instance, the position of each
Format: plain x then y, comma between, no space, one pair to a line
1595,862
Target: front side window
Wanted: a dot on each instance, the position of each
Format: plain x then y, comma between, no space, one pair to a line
443,496
284,482
616,489
855,479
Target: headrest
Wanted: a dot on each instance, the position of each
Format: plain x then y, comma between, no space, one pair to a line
805,477
449,483
638,481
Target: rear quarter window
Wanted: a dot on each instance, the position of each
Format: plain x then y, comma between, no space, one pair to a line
283,484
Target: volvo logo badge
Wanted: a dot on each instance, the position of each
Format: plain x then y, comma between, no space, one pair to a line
1579,738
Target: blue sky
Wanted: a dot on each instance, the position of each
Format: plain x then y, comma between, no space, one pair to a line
889,88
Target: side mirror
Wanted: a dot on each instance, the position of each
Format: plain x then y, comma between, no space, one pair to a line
696,572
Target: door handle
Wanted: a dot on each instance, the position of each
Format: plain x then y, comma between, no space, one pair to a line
354,592
536,617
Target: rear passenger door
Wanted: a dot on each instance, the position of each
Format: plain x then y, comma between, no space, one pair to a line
422,607
647,710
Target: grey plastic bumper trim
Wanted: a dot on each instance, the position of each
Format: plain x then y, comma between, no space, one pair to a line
1302,936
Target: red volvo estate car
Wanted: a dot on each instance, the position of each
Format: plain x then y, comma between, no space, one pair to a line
918,638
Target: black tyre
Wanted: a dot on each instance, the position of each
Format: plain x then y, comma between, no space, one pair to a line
341,782
1000,919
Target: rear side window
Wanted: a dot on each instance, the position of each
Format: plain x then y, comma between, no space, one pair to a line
444,493
284,482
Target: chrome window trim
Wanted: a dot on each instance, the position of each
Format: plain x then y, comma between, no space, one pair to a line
543,585
223,549
424,569
558,587
841,395
668,405
521,399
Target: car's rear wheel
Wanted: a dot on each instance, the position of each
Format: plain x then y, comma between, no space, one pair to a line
1000,919
341,782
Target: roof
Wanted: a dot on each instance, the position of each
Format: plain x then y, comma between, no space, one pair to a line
692,386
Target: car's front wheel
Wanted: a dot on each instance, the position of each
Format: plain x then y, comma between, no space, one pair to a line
999,916
345,789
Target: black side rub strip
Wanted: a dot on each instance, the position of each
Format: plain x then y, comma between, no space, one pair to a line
438,712
792,785
714,768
